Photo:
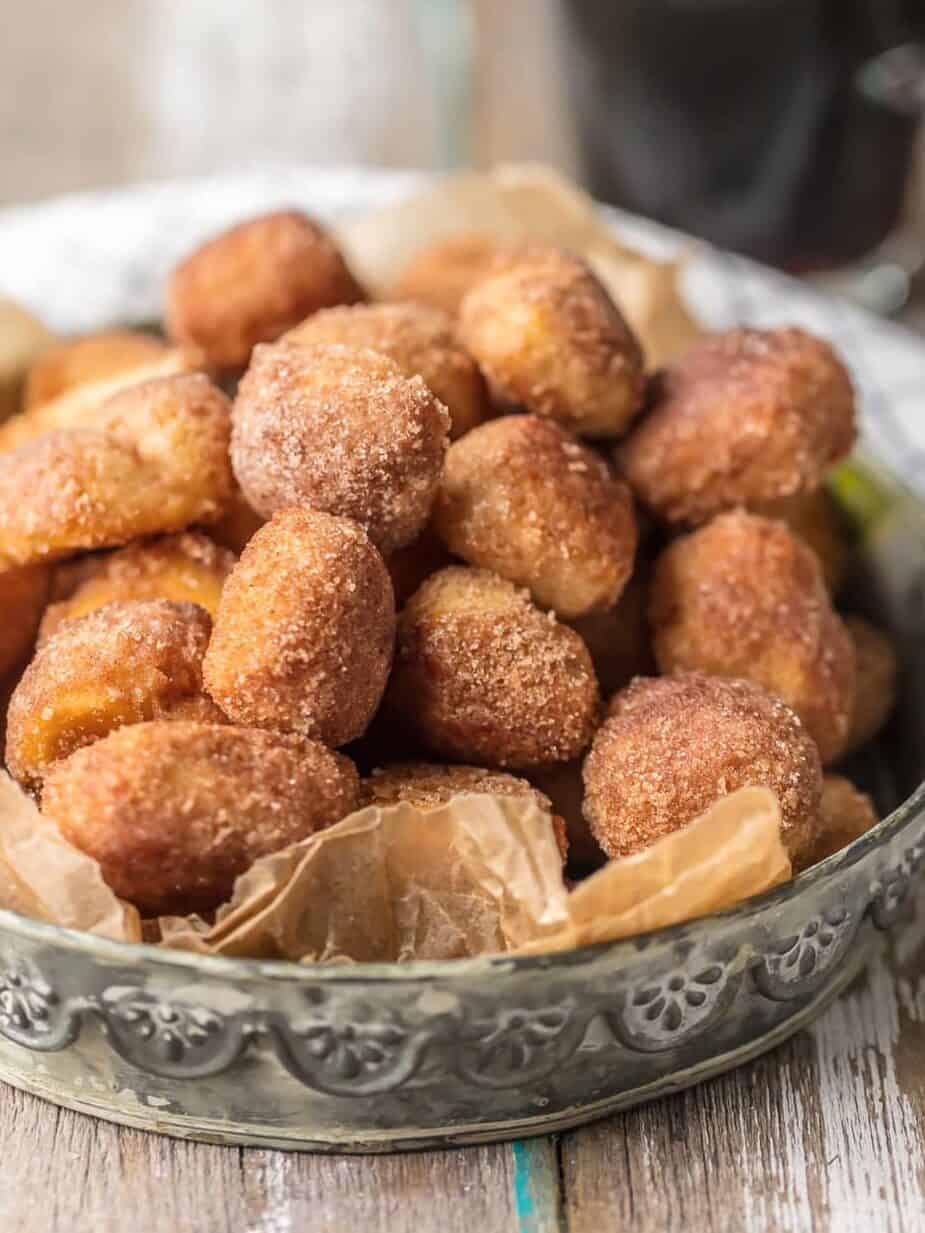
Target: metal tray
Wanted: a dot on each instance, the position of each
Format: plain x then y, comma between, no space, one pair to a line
373,1058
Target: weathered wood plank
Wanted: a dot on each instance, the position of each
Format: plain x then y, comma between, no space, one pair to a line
423,1192
67,1173
827,1133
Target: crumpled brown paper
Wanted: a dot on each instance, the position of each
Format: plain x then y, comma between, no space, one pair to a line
43,876
481,875
517,202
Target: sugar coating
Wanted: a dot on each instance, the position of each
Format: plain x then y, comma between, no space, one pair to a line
523,497
671,746
421,340
174,812
745,417
342,430
305,629
189,567
816,518
253,282
484,676
744,597
120,664
548,337
81,404
155,460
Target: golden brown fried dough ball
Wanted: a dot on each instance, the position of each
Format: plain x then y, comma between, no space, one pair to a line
305,629
23,593
82,405
524,498
443,273
343,430
156,460
121,664
23,338
409,566
845,814
548,337
743,418
564,787
671,746
427,785
481,675
816,518
253,282
618,638
82,361
174,812
185,568
421,340
744,597
877,670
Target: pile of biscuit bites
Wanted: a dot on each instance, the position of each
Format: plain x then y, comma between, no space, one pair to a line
441,538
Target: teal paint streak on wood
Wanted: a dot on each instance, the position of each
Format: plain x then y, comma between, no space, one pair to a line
537,1204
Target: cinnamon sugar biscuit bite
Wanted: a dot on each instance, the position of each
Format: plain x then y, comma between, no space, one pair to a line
428,785
343,430
815,517
742,418
523,497
618,638
671,746
481,675
252,283
744,597
156,460
421,340
122,664
185,568
877,670
845,814
82,405
87,360
174,812
305,629
442,273
23,593
548,337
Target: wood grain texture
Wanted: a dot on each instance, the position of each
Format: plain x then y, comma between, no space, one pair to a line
824,1135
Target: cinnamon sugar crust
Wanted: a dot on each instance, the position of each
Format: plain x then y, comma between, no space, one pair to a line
671,746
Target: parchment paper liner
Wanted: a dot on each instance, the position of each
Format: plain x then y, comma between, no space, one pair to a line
524,201
42,876
479,875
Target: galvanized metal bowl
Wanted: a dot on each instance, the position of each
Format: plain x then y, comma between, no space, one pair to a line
384,1057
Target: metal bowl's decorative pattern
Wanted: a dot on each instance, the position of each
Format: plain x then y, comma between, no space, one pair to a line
378,1057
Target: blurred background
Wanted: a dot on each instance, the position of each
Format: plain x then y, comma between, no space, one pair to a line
788,130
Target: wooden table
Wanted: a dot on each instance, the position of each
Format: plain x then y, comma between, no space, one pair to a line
825,1133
